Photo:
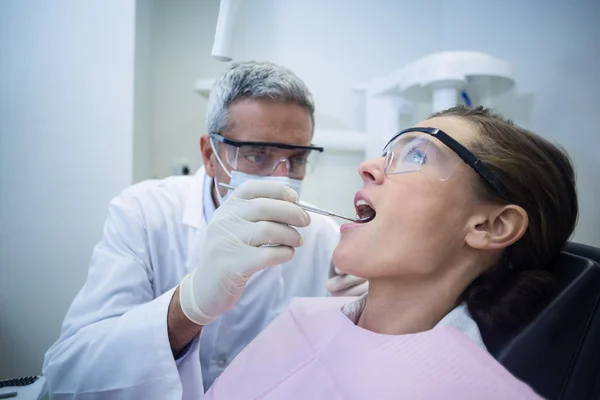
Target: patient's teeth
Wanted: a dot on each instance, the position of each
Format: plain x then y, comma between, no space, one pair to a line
361,203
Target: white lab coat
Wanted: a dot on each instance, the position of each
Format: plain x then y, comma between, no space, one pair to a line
114,342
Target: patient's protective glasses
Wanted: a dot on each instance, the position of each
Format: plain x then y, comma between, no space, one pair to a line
263,158
435,153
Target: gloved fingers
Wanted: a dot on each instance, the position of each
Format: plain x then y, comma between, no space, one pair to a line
334,271
272,233
342,283
253,189
275,211
268,257
353,291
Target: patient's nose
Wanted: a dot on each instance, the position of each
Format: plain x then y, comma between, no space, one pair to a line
371,171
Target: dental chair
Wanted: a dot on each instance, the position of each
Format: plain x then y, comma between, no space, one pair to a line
558,354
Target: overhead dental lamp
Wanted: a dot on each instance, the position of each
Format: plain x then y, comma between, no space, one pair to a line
223,43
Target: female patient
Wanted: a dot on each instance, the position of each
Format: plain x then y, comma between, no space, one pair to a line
467,210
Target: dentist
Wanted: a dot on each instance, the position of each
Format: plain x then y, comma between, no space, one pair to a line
185,275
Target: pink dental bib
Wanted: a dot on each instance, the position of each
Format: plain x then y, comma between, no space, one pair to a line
313,351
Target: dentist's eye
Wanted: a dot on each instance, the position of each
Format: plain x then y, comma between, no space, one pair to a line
300,160
255,158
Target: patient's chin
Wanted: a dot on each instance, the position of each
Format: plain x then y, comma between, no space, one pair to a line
348,259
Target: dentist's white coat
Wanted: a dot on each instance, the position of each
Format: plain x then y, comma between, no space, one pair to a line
114,342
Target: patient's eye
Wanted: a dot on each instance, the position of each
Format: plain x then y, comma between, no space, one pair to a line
415,155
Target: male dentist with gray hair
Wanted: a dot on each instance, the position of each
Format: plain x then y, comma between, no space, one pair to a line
187,272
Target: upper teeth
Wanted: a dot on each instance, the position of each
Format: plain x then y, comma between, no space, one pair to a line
361,203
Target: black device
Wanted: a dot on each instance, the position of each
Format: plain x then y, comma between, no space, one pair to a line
27,380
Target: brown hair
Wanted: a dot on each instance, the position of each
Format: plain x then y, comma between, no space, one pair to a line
538,176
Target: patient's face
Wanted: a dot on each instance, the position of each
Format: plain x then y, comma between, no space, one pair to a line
421,221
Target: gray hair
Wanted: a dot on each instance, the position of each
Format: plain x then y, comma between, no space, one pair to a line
255,80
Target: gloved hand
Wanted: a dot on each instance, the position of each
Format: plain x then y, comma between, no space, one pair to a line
257,213
341,284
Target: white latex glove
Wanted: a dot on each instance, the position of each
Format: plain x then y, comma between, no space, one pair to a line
257,213
341,284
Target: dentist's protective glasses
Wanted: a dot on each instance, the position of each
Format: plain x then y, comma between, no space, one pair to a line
263,158
434,153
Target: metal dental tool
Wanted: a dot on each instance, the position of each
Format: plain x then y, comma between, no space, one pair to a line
309,208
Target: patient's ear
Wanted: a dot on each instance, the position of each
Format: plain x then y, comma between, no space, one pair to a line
208,158
496,227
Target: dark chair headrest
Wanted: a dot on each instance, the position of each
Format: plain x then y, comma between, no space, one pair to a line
583,250
558,353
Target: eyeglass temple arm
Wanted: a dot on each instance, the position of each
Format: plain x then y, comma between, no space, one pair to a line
469,158
466,155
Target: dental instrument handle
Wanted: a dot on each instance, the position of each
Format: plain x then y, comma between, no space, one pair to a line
321,211
305,207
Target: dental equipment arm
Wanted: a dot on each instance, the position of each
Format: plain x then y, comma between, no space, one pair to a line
225,29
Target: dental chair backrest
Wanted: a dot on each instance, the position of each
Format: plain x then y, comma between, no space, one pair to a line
558,354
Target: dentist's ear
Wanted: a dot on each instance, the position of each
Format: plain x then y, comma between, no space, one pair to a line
497,227
208,156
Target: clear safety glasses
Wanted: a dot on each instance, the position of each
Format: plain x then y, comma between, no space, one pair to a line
434,153
263,158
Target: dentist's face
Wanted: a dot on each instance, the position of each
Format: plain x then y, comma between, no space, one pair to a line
258,121
420,221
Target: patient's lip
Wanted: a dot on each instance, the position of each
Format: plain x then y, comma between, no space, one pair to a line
349,226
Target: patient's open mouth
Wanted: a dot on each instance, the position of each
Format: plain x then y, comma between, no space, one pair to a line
364,212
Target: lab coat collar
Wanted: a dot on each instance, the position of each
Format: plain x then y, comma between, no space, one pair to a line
194,213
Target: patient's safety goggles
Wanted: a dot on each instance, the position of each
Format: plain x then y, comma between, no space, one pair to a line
263,158
434,153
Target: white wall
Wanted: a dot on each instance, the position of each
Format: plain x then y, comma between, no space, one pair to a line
66,135
144,65
336,44
182,32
